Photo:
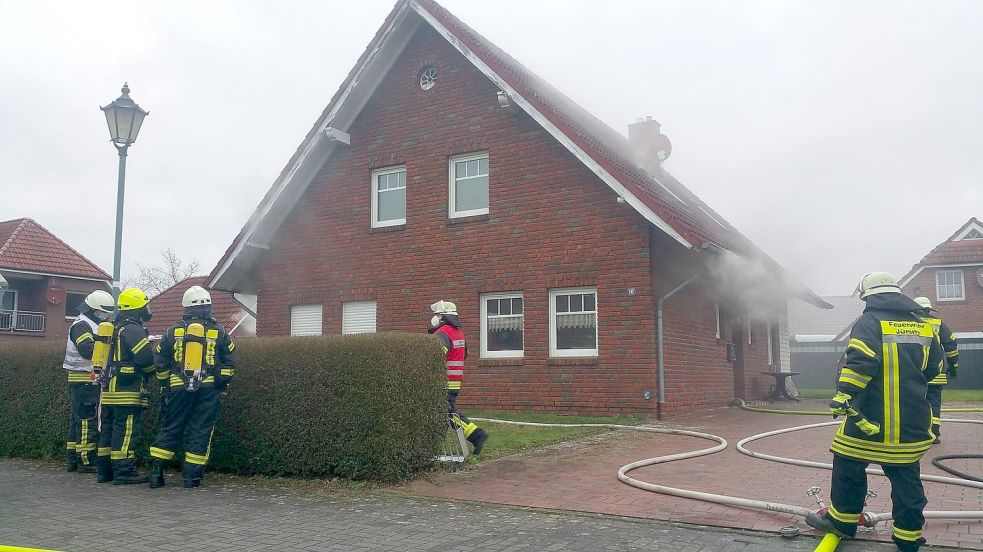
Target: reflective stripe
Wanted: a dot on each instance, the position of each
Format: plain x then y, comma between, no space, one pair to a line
843,517
79,377
84,443
455,363
941,379
454,385
849,376
936,421
160,453
126,370
877,446
951,354
70,445
458,343
906,535
892,390
140,345
455,372
196,459
103,451
83,337
228,372
127,436
918,339
862,347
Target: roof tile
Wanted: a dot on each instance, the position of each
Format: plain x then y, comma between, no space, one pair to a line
168,311
28,246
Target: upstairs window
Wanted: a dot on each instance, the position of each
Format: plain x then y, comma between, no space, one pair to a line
468,185
73,302
949,285
573,322
388,197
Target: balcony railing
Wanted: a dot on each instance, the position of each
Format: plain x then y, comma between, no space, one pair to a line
21,321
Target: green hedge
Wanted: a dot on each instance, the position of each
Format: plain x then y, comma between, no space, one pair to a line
360,407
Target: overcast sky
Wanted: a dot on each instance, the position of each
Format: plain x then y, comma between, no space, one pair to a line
841,136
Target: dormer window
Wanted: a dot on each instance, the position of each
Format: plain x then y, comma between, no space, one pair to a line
974,234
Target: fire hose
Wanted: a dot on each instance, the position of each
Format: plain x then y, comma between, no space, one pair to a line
828,543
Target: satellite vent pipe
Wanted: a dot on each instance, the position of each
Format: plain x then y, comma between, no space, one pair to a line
660,339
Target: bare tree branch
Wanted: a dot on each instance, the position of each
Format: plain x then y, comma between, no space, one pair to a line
154,279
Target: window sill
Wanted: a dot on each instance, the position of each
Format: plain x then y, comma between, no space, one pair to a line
467,219
573,361
513,361
387,229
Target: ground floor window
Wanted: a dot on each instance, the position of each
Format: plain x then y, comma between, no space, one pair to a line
358,317
306,320
573,322
502,323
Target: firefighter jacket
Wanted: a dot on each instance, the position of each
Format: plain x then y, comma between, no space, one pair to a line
891,356
78,350
218,362
456,348
948,342
131,360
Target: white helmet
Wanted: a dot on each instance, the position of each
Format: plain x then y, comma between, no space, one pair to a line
877,282
924,302
100,300
444,307
195,296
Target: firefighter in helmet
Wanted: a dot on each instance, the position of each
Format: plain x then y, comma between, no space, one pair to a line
195,361
948,341
447,327
84,396
131,360
891,356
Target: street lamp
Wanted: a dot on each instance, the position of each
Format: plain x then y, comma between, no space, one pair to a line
125,118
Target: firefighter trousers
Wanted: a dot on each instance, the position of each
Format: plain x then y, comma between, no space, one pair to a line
82,431
455,418
934,396
849,492
120,432
194,412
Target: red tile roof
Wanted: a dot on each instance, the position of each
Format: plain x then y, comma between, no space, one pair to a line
962,251
167,307
28,246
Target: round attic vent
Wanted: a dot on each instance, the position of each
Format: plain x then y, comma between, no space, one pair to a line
428,77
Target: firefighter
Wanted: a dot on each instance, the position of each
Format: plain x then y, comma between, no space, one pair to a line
123,397
948,342
83,395
447,327
195,361
891,356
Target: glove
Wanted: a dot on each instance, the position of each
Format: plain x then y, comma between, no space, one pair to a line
869,428
840,403
952,372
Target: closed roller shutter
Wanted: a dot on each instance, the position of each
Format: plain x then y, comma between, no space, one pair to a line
305,320
358,317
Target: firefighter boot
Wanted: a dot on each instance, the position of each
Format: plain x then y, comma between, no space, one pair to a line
823,523
478,438
909,546
157,474
132,478
192,483
72,461
104,470
86,468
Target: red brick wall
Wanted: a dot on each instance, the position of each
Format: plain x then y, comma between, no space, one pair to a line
32,298
961,316
552,224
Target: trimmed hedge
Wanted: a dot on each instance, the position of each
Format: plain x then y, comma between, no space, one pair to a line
361,407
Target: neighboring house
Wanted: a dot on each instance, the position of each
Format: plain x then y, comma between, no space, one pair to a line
168,310
445,169
951,275
47,281
809,323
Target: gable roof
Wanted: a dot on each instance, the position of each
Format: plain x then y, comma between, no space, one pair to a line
167,307
652,192
27,246
952,251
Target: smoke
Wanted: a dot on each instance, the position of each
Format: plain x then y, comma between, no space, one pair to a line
750,286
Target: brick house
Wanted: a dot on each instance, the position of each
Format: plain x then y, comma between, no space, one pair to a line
951,275
444,169
168,310
46,281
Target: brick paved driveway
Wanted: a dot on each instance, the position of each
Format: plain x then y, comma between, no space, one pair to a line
584,478
44,507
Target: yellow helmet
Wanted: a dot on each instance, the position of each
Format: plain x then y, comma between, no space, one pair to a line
131,299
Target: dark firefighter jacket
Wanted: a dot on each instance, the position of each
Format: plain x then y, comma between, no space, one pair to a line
132,359
218,355
891,356
948,341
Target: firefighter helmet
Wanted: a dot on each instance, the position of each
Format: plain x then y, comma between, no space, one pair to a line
100,300
132,299
444,307
196,296
877,282
925,302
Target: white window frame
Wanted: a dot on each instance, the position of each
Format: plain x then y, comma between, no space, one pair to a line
345,309
554,352
771,343
716,329
485,353
376,223
452,181
962,285
321,329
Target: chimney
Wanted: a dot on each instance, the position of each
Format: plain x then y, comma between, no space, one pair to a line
645,136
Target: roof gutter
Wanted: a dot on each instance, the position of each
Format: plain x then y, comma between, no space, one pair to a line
232,294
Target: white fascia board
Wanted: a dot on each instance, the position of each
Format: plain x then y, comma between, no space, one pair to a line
579,153
911,277
969,228
67,276
286,180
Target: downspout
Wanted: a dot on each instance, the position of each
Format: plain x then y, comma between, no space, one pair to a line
232,294
661,343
